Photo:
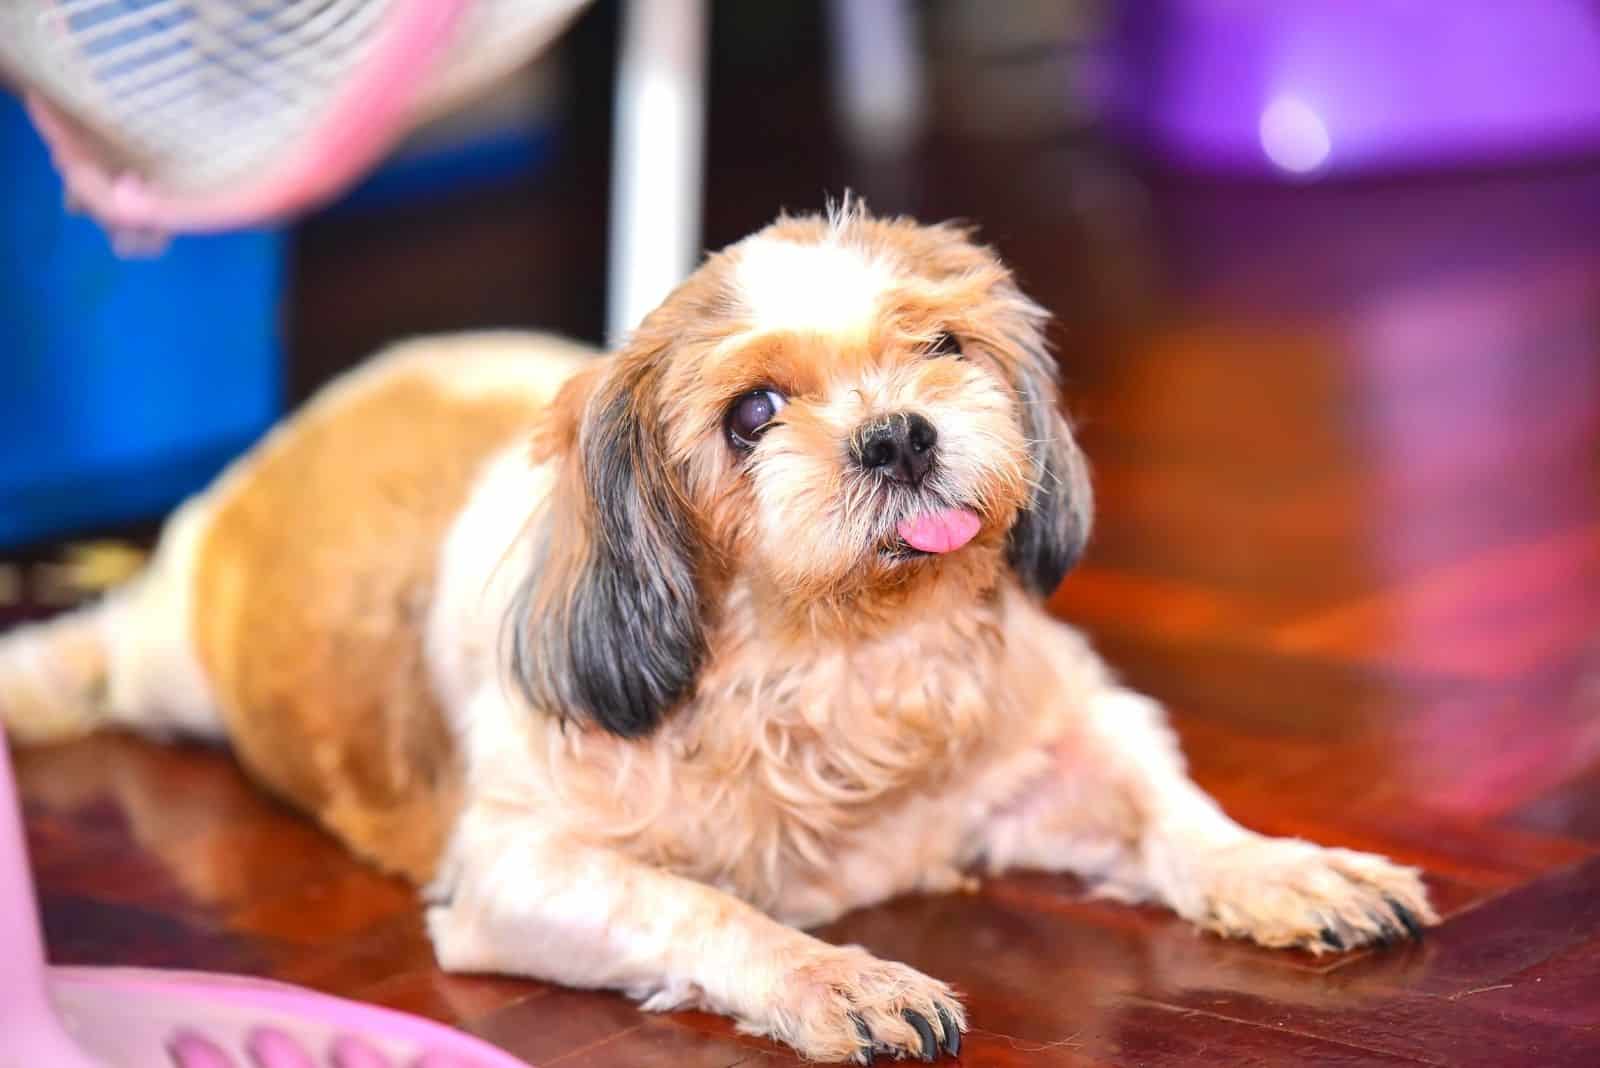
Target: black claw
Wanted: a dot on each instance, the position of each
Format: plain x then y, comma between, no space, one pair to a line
1331,937
952,1033
1387,931
1413,928
866,1038
930,1047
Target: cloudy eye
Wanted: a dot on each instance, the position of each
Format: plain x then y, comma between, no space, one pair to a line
751,414
946,344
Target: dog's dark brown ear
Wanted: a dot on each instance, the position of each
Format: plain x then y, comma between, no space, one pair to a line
1051,531
607,628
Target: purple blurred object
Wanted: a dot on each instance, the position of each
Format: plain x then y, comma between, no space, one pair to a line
1305,88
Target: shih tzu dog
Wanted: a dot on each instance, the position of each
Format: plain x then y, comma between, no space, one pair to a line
642,664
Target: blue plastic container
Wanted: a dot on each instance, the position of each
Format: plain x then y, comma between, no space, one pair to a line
124,384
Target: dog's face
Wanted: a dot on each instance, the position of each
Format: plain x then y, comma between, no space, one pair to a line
836,414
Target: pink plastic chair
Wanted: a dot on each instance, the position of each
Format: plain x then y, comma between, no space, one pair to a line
58,1017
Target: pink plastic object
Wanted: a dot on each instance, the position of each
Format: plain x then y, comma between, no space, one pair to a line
168,116
359,123
58,1017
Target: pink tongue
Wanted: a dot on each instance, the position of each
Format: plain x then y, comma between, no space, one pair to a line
941,532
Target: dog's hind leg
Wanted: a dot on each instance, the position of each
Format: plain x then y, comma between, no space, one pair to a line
126,660
54,675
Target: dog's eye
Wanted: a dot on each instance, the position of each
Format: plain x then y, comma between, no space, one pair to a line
751,414
946,344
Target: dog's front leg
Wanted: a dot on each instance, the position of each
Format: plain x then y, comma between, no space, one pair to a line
1108,798
516,899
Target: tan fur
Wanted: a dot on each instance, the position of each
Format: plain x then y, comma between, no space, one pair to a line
316,580
807,749
662,699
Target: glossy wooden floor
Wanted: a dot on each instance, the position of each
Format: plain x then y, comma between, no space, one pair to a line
1347,445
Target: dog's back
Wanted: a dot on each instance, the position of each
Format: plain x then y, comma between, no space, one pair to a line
286,606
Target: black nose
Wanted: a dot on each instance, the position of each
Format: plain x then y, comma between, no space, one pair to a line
901,446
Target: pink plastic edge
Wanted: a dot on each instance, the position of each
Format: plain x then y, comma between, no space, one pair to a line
360,126
267,995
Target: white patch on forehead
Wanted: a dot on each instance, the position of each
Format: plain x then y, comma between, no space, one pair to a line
825,288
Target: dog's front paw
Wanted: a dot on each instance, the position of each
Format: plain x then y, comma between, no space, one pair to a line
1290,892
1285,892
846,1005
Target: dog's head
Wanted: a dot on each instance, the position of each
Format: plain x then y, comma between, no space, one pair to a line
835,415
